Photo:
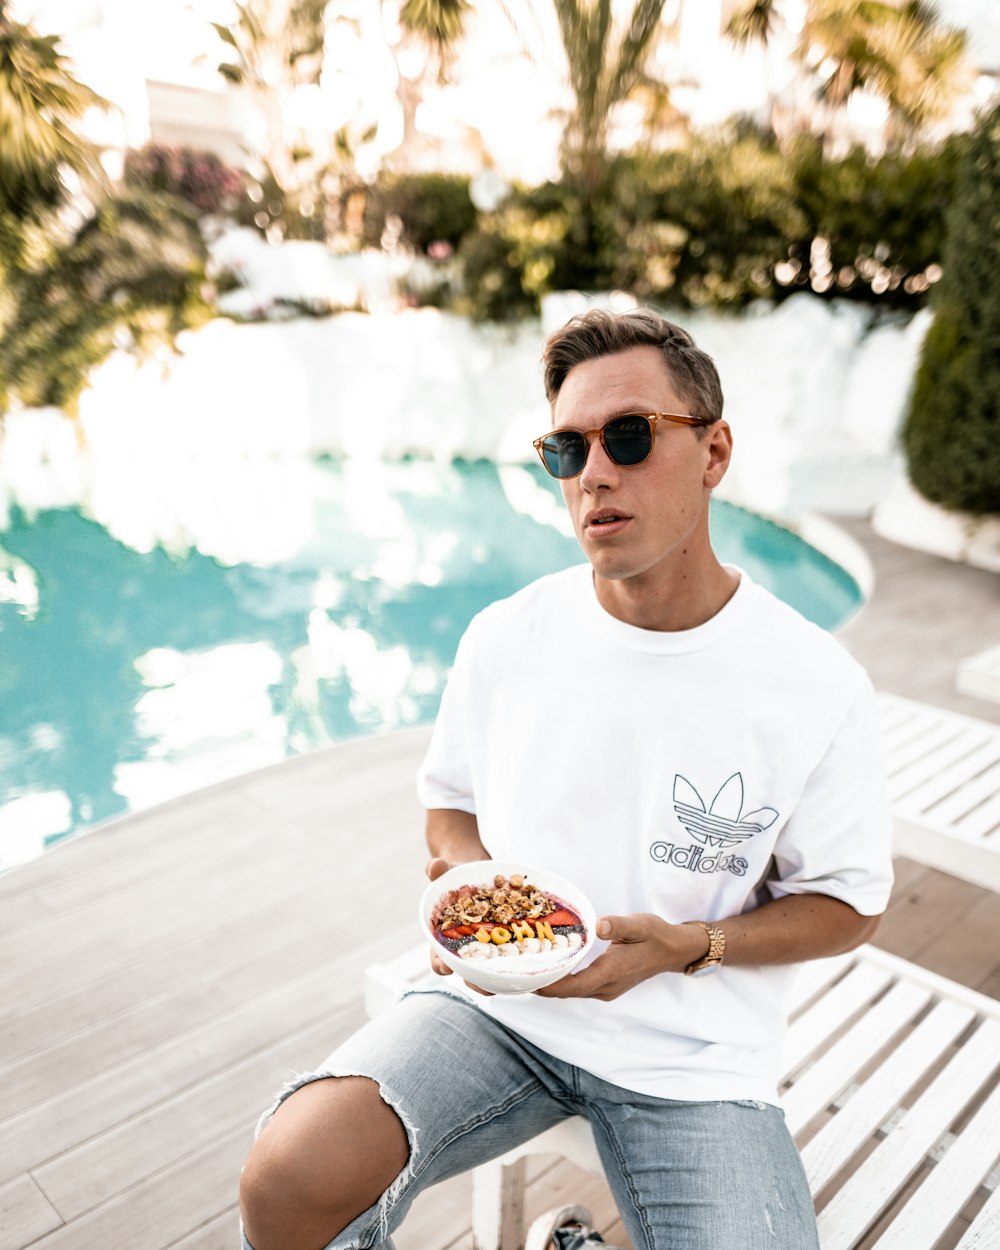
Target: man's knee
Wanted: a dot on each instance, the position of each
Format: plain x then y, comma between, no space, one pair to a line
328,1153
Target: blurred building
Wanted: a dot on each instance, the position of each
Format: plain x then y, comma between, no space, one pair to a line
155,62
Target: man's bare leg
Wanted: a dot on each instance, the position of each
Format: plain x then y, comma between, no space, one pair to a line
328,1153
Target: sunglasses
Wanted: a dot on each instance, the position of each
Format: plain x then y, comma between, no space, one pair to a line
628,440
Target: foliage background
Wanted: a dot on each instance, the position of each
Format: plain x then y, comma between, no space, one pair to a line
757,210
726,220
952,433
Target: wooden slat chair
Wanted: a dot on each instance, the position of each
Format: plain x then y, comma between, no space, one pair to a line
891,1087
943,773
979,675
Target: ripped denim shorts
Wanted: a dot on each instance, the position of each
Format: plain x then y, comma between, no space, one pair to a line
684,1175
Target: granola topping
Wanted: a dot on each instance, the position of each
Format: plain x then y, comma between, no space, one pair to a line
505,900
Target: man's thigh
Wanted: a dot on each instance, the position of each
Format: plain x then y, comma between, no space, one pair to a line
704,1175
465,1089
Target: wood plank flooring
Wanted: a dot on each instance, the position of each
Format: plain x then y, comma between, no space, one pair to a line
162,976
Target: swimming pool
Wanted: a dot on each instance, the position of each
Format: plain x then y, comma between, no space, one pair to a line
131,675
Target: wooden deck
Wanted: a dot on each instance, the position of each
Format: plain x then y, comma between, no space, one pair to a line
161,976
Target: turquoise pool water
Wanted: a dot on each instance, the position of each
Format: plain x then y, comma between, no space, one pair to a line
128,676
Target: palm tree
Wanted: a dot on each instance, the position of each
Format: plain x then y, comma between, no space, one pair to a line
925,69
605,57
432,30
278,46
754,23
135,266
440,24
606,62
41,103
900,52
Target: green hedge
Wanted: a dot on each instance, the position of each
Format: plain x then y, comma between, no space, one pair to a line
884,219
706,225
546,238
952,431
431,208
721,222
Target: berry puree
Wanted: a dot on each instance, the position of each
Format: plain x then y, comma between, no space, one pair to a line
510,922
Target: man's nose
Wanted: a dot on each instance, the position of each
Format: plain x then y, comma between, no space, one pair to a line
598,467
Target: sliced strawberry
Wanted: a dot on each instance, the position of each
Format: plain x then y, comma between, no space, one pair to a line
562,917
457,931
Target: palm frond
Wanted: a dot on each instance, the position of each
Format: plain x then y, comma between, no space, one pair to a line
572,28
645,20
754,23
41,102
439,22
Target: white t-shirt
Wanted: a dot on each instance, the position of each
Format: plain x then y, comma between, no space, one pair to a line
690,774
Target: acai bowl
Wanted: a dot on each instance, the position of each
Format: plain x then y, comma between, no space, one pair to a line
505,926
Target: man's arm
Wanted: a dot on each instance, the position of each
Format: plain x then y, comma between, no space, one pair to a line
452,838
792,929
785,931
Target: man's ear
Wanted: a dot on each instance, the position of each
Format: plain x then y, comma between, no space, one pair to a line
718,446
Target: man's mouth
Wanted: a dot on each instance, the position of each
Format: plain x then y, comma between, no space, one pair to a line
605,521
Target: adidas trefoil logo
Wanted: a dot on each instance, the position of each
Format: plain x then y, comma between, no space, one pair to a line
723,822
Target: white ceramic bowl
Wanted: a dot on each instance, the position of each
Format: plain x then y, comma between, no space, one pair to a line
502,976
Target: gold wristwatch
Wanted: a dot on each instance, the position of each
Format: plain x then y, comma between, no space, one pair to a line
716,950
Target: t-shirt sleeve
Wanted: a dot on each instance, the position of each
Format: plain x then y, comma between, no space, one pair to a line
444,778
839,838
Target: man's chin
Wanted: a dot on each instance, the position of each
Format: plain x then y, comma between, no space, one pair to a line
608,570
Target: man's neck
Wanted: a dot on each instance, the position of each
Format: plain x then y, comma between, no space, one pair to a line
668,606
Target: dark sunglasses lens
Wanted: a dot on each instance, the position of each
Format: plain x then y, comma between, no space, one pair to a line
628,439
565,453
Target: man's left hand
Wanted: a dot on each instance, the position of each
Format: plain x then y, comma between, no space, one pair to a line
642,946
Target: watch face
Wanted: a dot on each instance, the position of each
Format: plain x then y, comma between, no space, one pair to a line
703,972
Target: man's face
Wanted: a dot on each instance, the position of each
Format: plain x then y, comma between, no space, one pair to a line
647,522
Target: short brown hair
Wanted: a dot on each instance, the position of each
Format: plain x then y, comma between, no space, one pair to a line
600,332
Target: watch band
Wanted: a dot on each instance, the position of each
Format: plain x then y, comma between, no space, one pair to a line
716,949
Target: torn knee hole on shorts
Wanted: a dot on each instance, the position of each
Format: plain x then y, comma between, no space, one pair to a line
381,1208
397,1187
391,1194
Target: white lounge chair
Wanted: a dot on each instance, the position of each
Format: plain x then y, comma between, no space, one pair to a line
943,772
891,1087
979,675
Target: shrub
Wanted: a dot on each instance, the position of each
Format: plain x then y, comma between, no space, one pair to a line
432,208
267,207
706,225
200,178
132,275
881,220
493,278
724,221
952,431
546,238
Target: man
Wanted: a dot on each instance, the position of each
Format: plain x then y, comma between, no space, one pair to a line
703,763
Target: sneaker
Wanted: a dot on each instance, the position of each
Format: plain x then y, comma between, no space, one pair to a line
564,1228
